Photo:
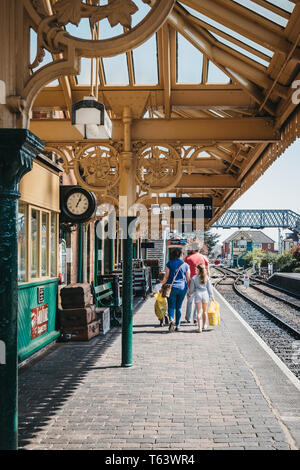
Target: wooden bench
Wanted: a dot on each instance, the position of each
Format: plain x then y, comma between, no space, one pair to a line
105,298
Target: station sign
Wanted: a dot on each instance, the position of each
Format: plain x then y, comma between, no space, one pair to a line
207,202
39,321
147,245
181,241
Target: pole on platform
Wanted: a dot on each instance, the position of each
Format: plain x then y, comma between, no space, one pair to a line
80,252
127,291
95,254
18,148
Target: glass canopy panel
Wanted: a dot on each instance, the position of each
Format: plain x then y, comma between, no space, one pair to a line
107,32
262,11
284,4
216,75
84,78
241,50
115,69
83,29
229,31
143,10
145,63
189,62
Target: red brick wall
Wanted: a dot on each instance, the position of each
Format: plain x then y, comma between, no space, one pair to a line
265,247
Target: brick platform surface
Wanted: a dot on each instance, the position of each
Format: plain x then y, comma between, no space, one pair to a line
185,391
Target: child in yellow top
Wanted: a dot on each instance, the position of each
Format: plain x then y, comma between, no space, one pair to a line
161,305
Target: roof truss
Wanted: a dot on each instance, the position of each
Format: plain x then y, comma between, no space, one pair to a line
260,58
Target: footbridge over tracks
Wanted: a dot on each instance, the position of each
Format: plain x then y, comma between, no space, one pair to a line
258,219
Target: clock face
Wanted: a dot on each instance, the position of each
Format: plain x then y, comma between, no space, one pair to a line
77,203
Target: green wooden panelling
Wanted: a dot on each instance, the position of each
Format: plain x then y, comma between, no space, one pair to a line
27,300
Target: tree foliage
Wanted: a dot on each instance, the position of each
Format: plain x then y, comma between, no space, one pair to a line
255,255
210,240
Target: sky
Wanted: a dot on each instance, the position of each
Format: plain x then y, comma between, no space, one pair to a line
277,188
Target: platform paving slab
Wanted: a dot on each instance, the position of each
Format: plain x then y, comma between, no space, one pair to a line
220,389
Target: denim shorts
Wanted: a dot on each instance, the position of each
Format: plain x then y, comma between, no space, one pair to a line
201,297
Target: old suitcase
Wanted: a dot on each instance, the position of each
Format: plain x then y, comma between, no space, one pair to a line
76,296
82,333
77,316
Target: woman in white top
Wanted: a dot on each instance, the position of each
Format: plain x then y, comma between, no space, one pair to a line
200,287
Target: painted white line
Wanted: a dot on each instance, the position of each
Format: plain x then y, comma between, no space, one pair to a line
295,381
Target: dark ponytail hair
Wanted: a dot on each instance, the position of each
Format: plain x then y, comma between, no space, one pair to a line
202,273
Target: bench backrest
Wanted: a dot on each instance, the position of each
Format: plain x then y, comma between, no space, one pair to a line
103,291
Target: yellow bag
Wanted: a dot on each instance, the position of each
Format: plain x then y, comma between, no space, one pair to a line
160,306
214,314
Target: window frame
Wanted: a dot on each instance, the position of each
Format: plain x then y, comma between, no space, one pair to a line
40,210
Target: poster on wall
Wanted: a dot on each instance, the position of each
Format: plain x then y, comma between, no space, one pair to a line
39,320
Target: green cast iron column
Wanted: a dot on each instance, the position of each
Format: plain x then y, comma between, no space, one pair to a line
127,316
18,148
96,248
111,255
80,250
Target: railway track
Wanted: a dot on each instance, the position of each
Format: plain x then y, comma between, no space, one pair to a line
255,282
288,318
281,331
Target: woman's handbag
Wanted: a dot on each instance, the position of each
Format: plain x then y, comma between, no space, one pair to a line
166,288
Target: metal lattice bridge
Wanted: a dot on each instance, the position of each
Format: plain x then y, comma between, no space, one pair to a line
257,219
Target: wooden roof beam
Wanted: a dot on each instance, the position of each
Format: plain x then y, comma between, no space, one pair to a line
218,55
207,181
200,130
165,66
187,131
236,18
249,78
209,97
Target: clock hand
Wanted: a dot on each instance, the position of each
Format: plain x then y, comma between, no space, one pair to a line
79,201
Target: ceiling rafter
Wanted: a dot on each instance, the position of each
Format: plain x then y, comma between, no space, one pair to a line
220,168
274,8
165,61
227,56
227,36
232,65
245,22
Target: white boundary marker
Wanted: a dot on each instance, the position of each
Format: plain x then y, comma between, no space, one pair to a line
274,357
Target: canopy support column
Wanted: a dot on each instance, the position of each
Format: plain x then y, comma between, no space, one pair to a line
18,148
127,199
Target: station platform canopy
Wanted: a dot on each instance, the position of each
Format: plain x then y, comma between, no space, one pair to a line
203,95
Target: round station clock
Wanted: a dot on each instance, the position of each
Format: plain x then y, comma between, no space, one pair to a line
77,204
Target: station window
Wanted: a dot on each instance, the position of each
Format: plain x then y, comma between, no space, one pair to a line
22,241
53,245
243,243
37,243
